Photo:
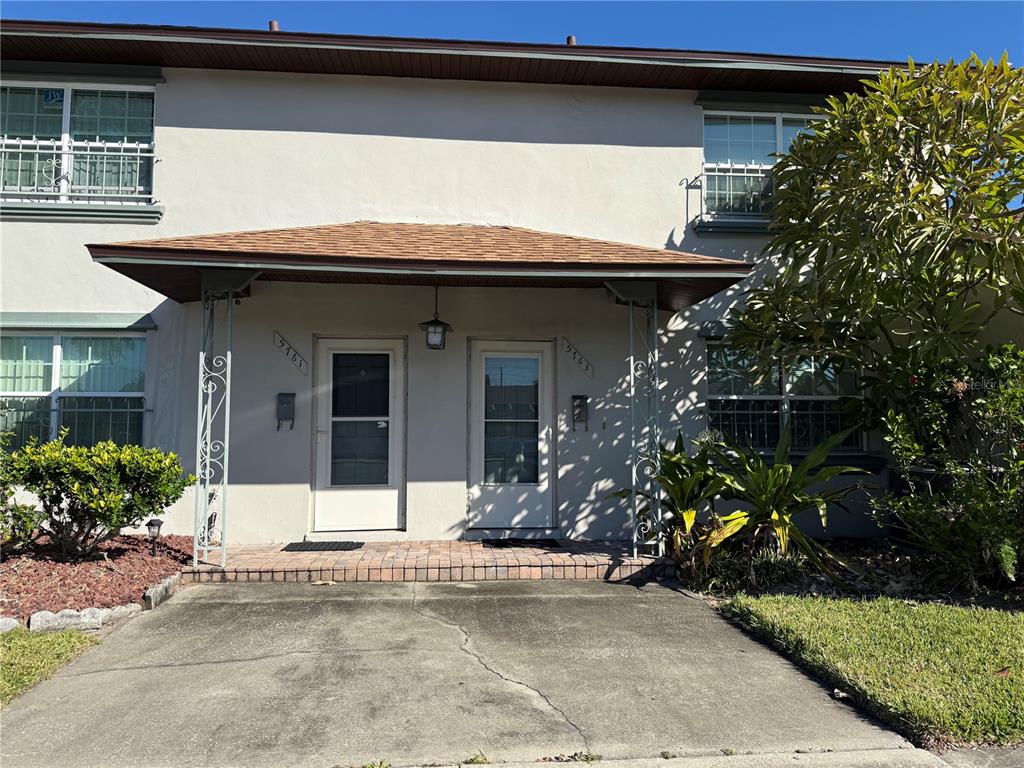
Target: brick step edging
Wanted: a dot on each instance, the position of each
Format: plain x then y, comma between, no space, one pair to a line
616,572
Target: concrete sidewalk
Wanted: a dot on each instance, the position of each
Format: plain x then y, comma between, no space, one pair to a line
304,675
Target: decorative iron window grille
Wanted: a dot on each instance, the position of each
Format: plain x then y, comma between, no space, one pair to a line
92,385
812,396
65,144
739,153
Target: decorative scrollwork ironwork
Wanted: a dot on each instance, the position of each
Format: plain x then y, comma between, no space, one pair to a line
51,172
644,393
212,425
646,466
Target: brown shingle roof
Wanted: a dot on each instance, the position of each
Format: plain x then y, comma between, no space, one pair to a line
418,244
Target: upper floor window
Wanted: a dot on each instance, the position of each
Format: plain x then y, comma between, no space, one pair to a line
76,144
739,152
752,410
93,385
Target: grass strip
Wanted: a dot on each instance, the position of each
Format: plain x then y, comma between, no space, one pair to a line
28,657
940,674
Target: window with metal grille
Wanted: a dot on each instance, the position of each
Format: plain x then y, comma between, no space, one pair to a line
739,152
80,145
93,385
812,395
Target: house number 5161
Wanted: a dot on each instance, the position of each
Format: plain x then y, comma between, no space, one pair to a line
577,357
291,353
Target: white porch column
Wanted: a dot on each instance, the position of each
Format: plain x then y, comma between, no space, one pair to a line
221,291
641,300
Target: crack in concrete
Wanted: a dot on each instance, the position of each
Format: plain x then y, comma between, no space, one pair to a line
465,648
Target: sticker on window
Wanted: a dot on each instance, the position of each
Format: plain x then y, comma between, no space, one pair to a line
53,98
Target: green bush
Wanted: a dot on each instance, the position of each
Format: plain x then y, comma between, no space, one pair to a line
19,523
746,567
687,485
962,472
770,497
88,494
759,543
972,526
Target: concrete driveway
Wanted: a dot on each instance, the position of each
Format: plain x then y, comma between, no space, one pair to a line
301,675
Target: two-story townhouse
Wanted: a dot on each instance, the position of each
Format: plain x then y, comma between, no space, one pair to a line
381,288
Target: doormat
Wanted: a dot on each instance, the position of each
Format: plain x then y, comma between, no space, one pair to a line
510,543
322,546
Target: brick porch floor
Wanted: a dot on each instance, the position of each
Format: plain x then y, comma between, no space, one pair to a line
435,561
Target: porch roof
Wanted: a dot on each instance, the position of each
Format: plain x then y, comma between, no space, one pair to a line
402,253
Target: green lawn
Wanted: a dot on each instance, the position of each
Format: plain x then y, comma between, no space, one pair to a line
28,657
940,674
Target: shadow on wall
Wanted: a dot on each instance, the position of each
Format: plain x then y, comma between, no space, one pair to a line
172,421
597,461
594,463
453,110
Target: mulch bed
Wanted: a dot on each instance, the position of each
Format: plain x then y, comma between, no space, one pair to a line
886,569
36,580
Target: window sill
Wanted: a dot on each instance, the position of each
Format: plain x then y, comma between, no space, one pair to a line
722,225
79,212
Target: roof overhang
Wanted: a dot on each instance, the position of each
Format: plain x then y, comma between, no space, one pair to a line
179,272
215,48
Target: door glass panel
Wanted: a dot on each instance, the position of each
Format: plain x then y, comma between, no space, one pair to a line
510,452
359,453
510,388
360,385
511,425
360,412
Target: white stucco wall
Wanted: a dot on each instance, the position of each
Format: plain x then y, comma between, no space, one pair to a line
271,472
240,151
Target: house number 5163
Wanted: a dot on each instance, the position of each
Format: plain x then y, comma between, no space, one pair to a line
291,353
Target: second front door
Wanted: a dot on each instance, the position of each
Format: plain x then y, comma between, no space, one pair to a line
511,456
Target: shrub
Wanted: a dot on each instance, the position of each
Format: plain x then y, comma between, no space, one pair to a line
771,495
745,567
687,485
970,526
756,540
19,523
88,494
963,472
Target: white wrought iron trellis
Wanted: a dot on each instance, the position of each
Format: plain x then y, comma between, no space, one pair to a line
213,434
645,432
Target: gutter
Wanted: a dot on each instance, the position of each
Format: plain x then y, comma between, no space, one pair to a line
692,272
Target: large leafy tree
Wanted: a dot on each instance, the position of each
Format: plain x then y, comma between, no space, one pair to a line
898,228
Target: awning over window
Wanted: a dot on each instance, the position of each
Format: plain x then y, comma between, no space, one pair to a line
76,321
449,254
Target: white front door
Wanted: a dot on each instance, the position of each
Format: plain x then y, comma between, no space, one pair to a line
360,428
511,456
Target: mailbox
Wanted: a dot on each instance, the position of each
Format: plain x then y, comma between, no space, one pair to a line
286,409
580,412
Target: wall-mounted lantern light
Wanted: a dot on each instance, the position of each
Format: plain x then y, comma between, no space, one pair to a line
435,328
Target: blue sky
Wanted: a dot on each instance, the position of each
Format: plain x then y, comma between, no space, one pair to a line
880,30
